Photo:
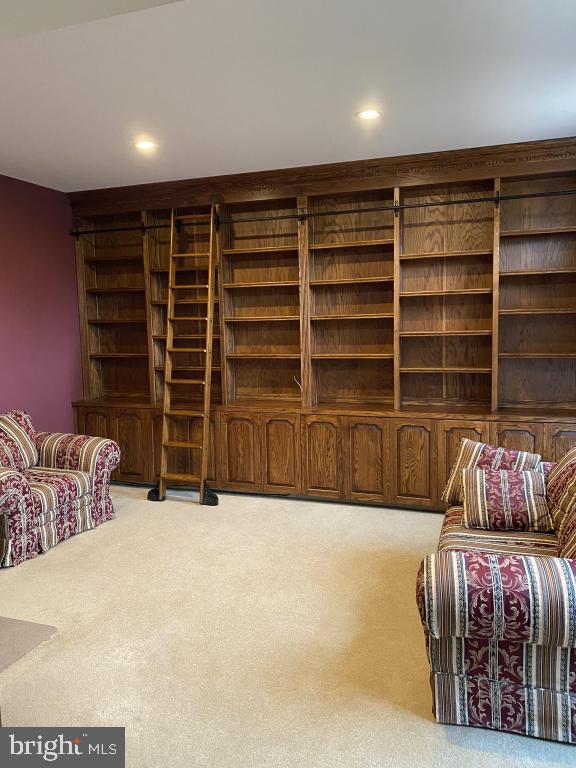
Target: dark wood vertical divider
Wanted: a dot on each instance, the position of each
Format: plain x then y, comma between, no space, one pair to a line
308,394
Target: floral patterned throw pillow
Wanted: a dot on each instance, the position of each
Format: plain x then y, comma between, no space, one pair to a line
562,499
474,455
505,500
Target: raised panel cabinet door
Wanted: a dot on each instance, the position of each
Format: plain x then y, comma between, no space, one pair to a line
281,452
241,445
414,462
518,435
558,440
366,464
92,423
321,456
450,435
130,432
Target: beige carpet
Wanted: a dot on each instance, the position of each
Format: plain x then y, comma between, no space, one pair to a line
17,638
262,633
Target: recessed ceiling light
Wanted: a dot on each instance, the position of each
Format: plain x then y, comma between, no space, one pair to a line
145,145
368,114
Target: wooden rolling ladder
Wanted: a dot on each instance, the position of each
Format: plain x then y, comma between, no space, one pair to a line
202,266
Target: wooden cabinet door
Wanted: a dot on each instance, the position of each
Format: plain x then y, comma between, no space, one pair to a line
92,422
414,462
281,452
558,440
519,435
321,456
450,435
365,458
241,451
130,429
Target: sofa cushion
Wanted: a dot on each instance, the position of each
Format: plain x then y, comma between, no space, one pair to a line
505,500
561,487
454,536
52,488
17,445
474,455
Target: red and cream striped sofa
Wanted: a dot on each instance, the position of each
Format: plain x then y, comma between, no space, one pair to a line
499,615
52,486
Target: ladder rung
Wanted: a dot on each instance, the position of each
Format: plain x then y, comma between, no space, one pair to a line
172,412
180,444
181,478
185,381
201,319
190,255
186,349
186,287
199,300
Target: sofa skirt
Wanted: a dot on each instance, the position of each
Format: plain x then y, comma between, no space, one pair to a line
52,527
504,706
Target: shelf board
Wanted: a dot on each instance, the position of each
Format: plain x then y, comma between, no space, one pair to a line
446,369
453,292
537,272
352,244
115,290
538,355
354,281
262,319
352,356
551,311
114,257
109,355
259,250
416,334
98,321
278,284
264,355
376,316
443,254
538,231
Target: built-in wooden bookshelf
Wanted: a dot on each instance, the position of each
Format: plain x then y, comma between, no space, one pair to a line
347,299
446,256
261,301
350,257
537,345
362,314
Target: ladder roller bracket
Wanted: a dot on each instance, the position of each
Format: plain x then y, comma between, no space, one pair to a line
154,494
209,498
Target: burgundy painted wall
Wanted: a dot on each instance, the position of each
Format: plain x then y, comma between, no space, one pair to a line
40,368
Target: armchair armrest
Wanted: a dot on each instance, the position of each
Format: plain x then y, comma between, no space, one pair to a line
88,454
526,599
16,504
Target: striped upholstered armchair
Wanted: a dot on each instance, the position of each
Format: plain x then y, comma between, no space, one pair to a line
52,486
498,609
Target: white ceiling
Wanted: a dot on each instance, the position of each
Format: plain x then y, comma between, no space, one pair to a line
242,85
25,17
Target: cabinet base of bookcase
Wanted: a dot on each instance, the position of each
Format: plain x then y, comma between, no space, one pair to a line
373,455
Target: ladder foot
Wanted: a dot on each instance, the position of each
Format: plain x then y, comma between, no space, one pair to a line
209,498
154,494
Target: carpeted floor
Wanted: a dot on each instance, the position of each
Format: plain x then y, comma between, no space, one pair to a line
262,633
